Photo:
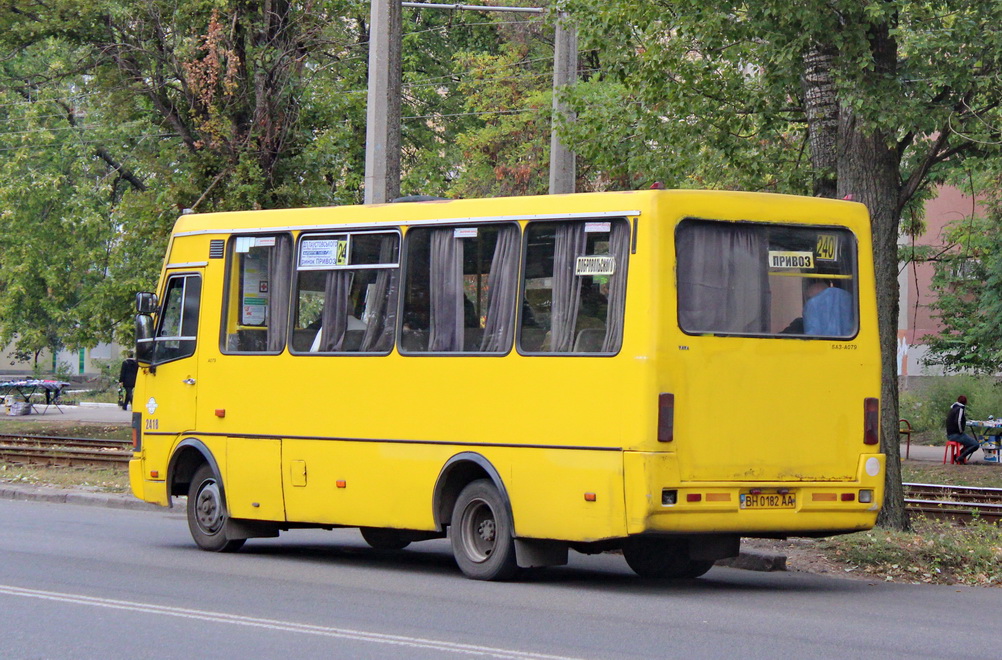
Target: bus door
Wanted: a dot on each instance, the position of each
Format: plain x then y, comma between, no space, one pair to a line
172,381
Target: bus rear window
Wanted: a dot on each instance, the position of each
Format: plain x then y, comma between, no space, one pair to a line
749,278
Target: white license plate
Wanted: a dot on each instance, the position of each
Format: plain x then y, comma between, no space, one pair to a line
768,500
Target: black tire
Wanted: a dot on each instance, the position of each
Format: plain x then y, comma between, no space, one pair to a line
384,539
481,533
663,559
207,513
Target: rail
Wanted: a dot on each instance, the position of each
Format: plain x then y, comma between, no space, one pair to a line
53,450
958,503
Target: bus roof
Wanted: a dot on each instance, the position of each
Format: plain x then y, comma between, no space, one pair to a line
726,205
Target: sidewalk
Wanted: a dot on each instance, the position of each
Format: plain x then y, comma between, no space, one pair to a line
930,454
100,413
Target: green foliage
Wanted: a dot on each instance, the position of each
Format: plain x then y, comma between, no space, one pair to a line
508,152
968,287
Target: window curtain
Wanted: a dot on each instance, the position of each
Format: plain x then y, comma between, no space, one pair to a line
279,285
382,311
337,297
619,249
446,284
569,244
722,278
502,284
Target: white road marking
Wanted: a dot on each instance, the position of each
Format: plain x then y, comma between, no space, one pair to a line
285,626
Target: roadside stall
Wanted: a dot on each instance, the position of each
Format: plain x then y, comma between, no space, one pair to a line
987,433
17,395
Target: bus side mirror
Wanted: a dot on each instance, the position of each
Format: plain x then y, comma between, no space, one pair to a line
144,337
146,303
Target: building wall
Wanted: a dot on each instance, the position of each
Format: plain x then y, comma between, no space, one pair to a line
83,362
915,318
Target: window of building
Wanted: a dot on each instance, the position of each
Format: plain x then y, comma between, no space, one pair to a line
459,295
346,292
574,287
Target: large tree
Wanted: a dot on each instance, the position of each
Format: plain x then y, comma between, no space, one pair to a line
871,99
123,114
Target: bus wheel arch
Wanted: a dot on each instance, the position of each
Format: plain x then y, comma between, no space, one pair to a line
188,456
458,472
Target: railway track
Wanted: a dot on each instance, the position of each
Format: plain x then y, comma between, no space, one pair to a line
959,503
52,450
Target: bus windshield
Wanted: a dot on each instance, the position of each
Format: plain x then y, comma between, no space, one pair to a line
749,278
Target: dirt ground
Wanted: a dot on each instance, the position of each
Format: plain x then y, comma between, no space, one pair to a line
804,556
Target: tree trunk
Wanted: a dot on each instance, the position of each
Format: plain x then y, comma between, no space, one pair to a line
868,169
821,107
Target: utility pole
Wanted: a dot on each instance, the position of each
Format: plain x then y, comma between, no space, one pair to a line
382,132
382,127
563,164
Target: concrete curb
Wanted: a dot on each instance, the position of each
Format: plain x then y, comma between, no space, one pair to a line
73,496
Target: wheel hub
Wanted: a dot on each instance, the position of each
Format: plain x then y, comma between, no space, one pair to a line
208,508
487,530
479,531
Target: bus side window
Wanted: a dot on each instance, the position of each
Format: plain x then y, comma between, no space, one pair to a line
175,339
459,296
574,287
257,299
346,293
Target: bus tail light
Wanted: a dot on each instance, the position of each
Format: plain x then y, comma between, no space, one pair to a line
666,417
866,496
871,421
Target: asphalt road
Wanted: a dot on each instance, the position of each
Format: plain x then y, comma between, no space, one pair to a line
89,582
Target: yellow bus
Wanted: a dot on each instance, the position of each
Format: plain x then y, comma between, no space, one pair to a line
661,372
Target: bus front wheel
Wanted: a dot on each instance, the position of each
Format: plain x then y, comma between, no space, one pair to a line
663,559
207,513
481,533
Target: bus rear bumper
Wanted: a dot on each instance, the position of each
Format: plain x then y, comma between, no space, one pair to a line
657,501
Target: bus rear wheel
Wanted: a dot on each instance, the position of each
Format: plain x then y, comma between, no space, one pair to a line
663,559
481,533
384,539
207,513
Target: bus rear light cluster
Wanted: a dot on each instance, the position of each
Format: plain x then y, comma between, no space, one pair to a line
669,496
871,421
865,496
666,417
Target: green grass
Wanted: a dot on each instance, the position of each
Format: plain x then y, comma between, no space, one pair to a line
934,552
104,479
53,425
983,476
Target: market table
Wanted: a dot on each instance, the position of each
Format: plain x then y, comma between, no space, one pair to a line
987,433
26,388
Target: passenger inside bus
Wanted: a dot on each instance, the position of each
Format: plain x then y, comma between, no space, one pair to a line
828,310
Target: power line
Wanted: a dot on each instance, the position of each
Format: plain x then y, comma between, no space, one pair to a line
431,5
